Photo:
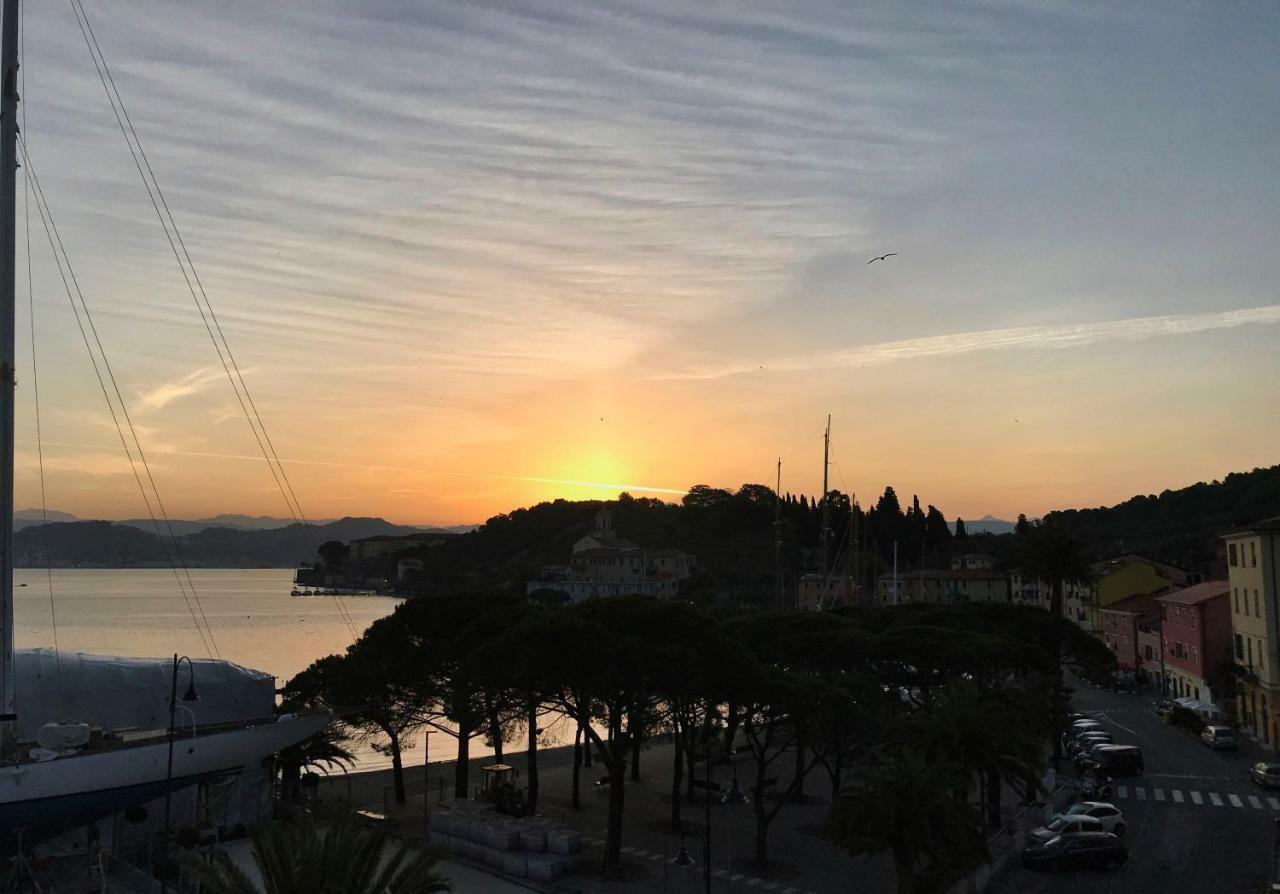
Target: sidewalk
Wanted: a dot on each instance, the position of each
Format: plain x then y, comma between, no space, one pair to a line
801,861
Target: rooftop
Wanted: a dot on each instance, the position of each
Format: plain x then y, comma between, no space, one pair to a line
1210,589
1137,604
1266,526
1127,559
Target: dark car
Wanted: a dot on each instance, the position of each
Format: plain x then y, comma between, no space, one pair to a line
1266,774
1113,760
1164,707
1086,741
1088,753
1077,850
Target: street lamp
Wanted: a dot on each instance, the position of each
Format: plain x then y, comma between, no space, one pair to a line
189,697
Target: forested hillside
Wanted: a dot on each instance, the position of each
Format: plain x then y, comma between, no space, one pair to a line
108,545
1180,526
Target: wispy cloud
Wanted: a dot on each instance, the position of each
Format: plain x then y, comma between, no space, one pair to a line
1064,336
160,396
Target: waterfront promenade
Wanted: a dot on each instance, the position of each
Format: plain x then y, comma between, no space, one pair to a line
801,860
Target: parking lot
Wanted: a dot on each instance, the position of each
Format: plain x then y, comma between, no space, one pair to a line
1195,821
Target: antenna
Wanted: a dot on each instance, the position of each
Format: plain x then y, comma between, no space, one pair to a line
826,510
777,534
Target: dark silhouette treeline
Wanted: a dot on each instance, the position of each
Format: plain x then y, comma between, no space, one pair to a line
1177,526
731,534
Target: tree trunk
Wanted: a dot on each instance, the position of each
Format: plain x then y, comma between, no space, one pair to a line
995,795
397,769
495,733
577,767
762,824
587,745
730,728
837,770
531,791
677,777
637,737
797,785
691,763
904,864
462,765
1055,609
617,763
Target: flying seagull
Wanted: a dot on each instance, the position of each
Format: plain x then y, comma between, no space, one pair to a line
882,257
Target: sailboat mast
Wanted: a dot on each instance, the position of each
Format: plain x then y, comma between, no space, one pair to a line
8,382
826,513
777,534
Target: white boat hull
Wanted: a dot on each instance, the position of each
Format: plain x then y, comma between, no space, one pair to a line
45,799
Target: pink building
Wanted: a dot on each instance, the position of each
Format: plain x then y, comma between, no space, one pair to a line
1196,637
1118,627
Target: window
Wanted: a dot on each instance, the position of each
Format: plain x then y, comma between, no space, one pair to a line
1249,644
1257,611
1239,647
1231,555
1235,598
1253,554
1197,693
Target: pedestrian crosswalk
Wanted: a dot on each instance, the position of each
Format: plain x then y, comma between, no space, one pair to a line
1199,799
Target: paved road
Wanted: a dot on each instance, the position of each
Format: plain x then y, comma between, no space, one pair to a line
1196,822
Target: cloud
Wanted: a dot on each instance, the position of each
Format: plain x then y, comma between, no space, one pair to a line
193,383
1063,336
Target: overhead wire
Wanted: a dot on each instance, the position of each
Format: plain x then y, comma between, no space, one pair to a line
72,287
199,296
35,366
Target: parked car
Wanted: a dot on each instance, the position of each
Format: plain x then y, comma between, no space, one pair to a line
1085,741
1113,760
1164,707
1108,814
1088,754
1266,774
1085,726
1077,850
1063,824
1219,737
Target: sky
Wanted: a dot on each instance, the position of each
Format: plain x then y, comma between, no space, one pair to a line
471,256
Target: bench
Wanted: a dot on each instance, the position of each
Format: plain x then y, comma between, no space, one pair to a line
602,782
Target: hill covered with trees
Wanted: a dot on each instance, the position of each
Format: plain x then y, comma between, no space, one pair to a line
101,544
1179,526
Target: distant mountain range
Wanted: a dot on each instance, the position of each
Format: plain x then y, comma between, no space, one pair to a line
23,518
988,524
227,541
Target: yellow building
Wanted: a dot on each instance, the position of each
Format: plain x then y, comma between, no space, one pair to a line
1253,572
1130,575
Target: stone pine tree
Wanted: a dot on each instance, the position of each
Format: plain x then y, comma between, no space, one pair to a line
961,533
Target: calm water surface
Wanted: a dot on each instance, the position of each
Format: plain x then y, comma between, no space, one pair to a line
255,623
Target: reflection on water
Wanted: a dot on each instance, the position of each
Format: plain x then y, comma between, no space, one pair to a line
255,622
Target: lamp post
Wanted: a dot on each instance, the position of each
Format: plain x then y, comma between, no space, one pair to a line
708,787
189,696
426,781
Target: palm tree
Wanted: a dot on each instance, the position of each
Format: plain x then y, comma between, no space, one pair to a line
347,857
959,723
325,750
908,806
1051,553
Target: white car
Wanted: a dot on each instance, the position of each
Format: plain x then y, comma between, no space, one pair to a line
1111,818
1065,824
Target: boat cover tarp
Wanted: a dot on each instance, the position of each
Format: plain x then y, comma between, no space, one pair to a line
119,693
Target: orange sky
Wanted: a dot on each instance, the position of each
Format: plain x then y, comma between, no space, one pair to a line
505,258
